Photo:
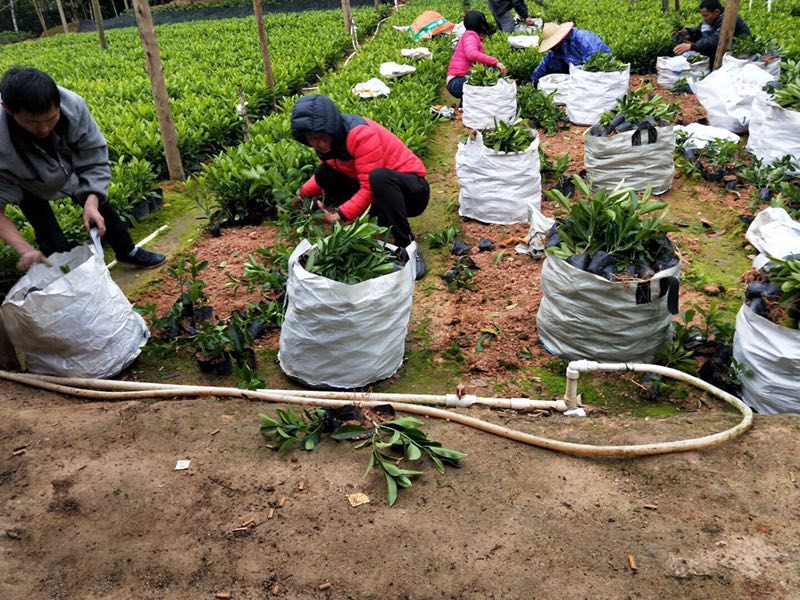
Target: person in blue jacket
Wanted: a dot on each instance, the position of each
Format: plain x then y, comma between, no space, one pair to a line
566,46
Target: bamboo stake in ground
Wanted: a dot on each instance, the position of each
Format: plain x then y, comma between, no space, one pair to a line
166,125
39,14
726,33
263,43
98,19
62,15
348,17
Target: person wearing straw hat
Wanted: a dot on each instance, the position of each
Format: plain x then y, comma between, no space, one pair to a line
566,46
501,10
469,51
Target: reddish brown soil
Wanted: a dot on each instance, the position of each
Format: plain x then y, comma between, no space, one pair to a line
226,256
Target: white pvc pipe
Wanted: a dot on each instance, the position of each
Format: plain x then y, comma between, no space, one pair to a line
141,242
453,400
136,390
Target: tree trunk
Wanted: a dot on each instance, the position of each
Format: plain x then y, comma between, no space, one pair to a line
114,6
726,33
63,16
166,125
13,16
263,43
39,14
677,5
348,17
125,3
98,19
665,5
377,5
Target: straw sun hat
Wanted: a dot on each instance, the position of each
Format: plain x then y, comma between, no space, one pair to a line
553,33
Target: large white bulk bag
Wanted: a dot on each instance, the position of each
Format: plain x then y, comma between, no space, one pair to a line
483,104
591,94
774,131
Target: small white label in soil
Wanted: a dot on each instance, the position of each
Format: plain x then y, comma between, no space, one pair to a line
182,465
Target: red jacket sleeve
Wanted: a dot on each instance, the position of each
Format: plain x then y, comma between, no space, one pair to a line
311,189
473,50
364,145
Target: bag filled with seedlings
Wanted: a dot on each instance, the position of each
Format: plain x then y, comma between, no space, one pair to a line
633,144
761,52
687,66
348,302
595,87
610,280
488,97
775,119
766,345
498,172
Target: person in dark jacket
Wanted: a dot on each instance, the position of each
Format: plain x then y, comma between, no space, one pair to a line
364,167
51,147
566,46
705,37
501,10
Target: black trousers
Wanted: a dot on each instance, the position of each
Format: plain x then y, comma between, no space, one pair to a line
50,238
396,197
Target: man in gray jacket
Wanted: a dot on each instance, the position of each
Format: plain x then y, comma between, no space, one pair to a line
501,9
51,147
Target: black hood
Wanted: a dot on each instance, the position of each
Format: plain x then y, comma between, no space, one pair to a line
318,114
476,21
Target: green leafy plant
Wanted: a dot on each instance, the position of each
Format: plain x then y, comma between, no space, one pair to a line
615,222
443,238
351,254
553,170
509,138
641,105
392,442
290,428
748,46
787,275
539,109
192,288
602,62
787,94
459,277
483,76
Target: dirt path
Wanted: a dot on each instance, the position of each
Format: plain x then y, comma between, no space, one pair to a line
94,509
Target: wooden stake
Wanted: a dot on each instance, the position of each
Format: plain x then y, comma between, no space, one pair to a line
377,5
98,19
677,5
726,33
348,17
166,125
263,43
62,15
665,5
39,14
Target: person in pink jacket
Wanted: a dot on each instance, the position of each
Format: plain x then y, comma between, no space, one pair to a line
469,51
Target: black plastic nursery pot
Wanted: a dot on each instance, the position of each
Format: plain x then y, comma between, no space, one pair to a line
141,209
247,357
215,365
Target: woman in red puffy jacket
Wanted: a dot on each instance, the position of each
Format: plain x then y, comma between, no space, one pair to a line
364,167
469,51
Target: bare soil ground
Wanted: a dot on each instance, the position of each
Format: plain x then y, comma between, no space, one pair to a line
91,506
94,509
